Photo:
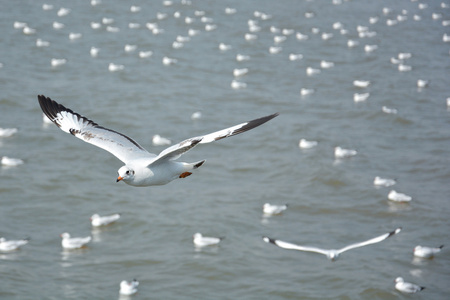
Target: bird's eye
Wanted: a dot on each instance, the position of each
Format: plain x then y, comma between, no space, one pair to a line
128,173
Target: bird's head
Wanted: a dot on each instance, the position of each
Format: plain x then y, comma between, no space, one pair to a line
125,173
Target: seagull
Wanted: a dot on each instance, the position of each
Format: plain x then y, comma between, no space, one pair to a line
342,153
240,72
331,254
407,287
7,132
426,252
10,162
388,110
158,140
305,144
11,245
398,197
357,97
378,181
361,83
68,242
112,67
271,209
141,167
128,288
202,241
97,220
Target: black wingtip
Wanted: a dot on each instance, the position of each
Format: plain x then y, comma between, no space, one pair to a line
441,246
269,240
397,230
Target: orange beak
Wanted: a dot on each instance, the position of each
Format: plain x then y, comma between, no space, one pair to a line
119,178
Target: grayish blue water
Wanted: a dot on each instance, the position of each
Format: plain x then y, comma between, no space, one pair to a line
331,203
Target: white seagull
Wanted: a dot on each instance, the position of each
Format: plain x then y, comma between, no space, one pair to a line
272,209
378,181
68,242
342,153
11,245
426,252
398,197
97,220
331,254
10,162
7,132
128,288
305,144
141,167
407,287
203,241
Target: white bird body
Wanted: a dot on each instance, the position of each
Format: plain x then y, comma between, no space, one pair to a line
357,97
7,132
202,241
128,288
68,242
141,167
361,83
343,153
158,140
97,220
304,144
11,162
331,254
240,72
11,245
378,181
272,209
235,84
112,67
407,287
56,62
388,110
398,197
426,252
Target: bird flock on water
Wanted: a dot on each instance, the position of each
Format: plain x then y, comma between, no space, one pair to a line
280,35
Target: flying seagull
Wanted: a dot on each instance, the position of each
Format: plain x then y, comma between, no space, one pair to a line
331,254
141,167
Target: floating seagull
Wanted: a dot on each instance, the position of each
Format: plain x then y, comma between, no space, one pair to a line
74,243
145,54
141,167
242,57
342,153
97,220
421,83
378,181
331,254
41,43
361,83
158,140
169,61
240,72
128,288
304,144
306,91
238,85
407,287
272,209
203,241
388,110
426,252
56,62
294,57
94,51
7,132
357,97
398,197
10,162
112,67
196,115
11,245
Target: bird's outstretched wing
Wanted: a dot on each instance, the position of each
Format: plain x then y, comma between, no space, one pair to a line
118,144
290,246
177,150
371,241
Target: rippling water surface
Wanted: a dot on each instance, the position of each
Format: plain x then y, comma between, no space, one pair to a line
332,202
